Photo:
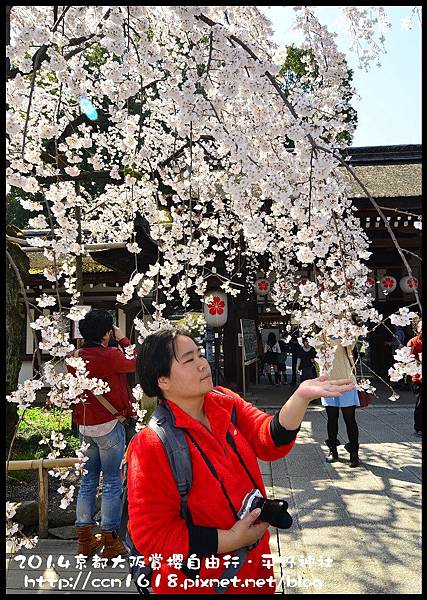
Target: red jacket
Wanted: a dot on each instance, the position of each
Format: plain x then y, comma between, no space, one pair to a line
154,503
416,345
112,366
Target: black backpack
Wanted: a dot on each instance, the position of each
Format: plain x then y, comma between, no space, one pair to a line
162,422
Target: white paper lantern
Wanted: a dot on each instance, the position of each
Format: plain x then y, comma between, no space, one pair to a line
388,283
215,308
370,286
262,287
408,284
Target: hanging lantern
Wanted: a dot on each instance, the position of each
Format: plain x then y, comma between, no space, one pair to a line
388,284
262,287
215,308
370,282
349,284
408,284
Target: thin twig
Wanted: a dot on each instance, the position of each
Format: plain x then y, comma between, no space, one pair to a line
412,254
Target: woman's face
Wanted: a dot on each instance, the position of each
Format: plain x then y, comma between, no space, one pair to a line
190,374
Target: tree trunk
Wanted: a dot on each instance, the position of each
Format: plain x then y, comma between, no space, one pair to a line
15,329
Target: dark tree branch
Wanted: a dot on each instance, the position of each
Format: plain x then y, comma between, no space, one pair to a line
41,55
64,12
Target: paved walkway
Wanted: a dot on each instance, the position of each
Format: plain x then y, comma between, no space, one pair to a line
367,519
355,531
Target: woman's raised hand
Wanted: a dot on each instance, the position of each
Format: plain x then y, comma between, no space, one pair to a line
310,389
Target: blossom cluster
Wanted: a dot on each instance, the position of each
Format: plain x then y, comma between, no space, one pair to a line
406,364
403,317
178,114
12,528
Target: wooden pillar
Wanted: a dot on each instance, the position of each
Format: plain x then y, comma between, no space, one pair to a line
43,501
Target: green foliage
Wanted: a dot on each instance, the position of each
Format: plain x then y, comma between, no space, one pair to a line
301,63
39,422
96,56
16,214
194,323
296,67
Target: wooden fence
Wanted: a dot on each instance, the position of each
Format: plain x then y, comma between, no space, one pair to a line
42,465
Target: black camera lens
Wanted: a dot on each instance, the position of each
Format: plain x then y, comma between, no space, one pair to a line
274,512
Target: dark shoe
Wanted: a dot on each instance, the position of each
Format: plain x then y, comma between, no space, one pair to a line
112,545
418,433
333,455
89,543
354,459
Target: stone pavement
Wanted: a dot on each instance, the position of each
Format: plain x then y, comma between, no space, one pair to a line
365,523
366,519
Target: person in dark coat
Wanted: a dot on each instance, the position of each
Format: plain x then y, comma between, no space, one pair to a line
305,361
294,347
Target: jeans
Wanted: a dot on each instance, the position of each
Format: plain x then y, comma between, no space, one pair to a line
105,454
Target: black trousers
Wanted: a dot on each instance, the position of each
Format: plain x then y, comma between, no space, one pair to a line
294,369
418,415
349,414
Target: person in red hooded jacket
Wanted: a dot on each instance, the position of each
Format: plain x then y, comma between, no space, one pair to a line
416,345
170,366
104,433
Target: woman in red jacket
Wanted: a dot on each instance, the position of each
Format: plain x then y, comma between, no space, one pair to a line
416,345
104,433
171,367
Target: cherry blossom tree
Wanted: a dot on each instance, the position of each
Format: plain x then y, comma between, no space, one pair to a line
120,111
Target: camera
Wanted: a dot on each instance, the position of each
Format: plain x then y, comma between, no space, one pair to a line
274,512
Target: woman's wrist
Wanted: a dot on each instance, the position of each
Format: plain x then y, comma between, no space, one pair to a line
225,542
292,412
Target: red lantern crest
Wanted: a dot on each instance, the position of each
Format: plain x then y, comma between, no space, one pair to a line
262,287
388,283
215,309
408,284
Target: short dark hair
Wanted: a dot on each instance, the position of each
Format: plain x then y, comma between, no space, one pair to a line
271,340
95,325
155,359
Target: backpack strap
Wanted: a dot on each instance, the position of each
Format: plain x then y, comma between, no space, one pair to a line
177,451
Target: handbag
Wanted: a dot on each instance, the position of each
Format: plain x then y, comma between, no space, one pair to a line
129,423
365,399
